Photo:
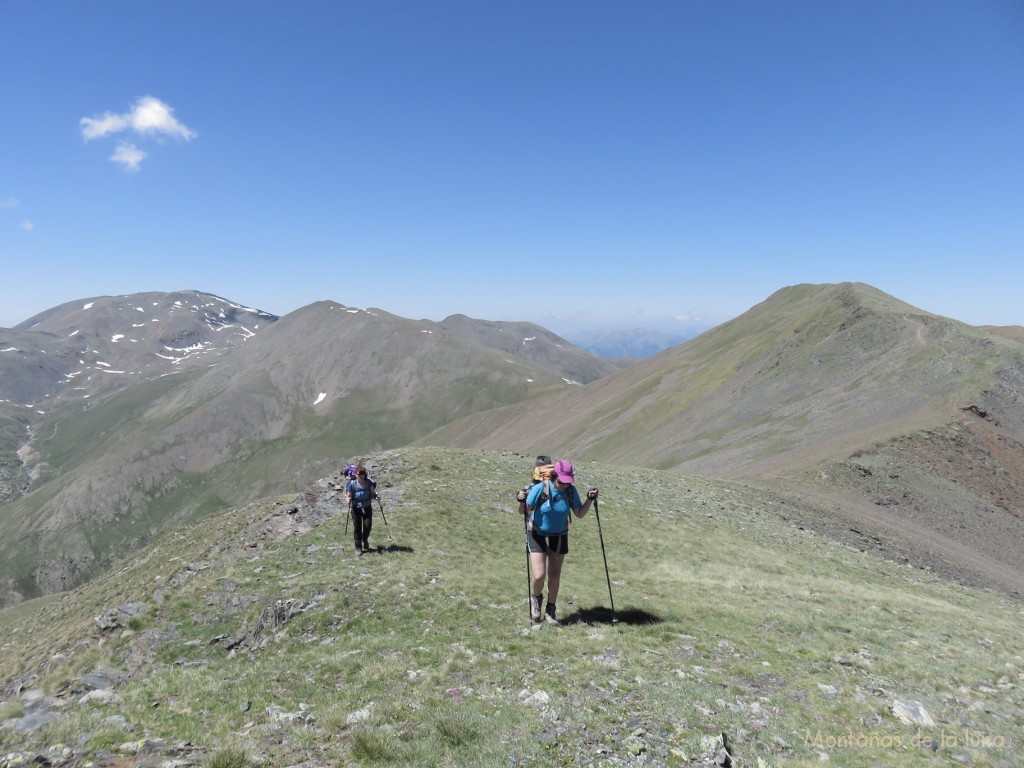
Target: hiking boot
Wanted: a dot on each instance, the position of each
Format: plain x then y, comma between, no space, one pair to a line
549,614
535,608
366,546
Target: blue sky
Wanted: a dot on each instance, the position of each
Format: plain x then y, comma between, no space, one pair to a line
575,163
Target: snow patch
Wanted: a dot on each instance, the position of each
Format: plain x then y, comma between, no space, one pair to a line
117,337
89,305
193,348
320,398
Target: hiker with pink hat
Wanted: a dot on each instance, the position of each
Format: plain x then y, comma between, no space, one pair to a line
550,504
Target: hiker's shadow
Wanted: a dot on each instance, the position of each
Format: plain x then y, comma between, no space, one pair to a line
601,615
393,548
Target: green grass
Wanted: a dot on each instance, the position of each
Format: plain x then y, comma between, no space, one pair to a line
729,620
232,757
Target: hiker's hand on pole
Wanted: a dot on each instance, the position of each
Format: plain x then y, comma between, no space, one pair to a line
521,499
588,501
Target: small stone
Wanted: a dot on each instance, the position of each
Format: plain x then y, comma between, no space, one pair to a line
912,713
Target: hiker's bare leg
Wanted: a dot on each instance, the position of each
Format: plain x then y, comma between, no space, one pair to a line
537,562
554,576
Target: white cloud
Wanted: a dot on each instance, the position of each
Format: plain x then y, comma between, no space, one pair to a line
128,156
10,202
27,225
148,117
153,116
97,127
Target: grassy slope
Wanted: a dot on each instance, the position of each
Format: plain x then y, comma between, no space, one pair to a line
814,391
813,372
730,620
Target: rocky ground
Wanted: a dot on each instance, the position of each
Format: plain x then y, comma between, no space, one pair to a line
948,499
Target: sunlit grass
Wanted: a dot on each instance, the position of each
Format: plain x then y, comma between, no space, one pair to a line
728,620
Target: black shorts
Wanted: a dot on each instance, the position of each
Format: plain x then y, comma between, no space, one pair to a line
549,545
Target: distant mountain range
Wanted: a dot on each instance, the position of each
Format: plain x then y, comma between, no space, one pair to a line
627,345
123,417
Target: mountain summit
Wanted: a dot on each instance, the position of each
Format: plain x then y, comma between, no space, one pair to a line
89,347
903,428
909,424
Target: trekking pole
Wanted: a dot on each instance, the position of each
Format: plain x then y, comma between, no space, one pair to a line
386,526
529,578
600,535
347,517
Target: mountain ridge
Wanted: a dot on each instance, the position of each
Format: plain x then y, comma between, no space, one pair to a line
797,393
805,393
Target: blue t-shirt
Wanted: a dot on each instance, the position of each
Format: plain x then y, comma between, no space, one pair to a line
552,517
361,494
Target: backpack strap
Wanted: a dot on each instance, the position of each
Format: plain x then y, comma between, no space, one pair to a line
545,494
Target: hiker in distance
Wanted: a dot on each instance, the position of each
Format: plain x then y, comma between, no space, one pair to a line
549,505
359,494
